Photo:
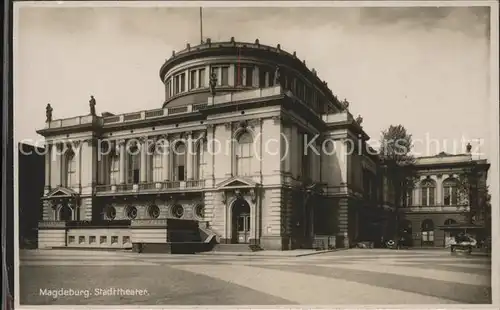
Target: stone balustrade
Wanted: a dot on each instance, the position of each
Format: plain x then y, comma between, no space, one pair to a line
167,111
152,187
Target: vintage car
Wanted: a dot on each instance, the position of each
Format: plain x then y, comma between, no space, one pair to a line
463,243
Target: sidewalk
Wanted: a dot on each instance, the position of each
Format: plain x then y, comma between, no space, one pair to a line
271,253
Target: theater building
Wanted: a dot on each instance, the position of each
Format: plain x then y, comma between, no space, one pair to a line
437,200
230,148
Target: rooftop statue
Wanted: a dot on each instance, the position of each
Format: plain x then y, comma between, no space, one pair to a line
345,104
359,119
92,105
48,113
277,76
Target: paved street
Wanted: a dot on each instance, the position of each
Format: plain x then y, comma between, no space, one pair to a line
343,277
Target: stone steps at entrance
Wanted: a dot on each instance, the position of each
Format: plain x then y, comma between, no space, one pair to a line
232,248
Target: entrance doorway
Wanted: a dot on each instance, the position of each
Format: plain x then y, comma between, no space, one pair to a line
241,221
65,213
449,235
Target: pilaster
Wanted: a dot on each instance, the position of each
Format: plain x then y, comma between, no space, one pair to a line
122,154
89,165
144,152
78,170
48,152
189,156
165,156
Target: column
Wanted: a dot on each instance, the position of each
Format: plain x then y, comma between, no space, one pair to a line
189,156
208,73
143,161
48,152
149,172
439,189
231,76
209,157
121,144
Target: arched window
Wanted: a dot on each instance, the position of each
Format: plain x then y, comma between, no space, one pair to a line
70,163
244,154
134,165
428,190
200,161
427,232
450,192
180,162
114,168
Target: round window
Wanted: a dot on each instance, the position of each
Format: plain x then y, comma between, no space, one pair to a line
177,211
154,211
110,213
131,212
200,211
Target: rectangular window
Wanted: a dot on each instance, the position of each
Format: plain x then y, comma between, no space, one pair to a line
262,78
225,76
409,197
428,236
114,169
180,173
192,79
249,77
424,197
271,79
157,167
183,82
176,85
201,78
133,169
431,196
167,89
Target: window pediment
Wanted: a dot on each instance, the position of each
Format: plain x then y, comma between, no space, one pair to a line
61,192
236,182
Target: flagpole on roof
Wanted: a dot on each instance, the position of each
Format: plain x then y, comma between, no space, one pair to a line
201,25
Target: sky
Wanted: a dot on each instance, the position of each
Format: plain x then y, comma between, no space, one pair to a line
424,68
